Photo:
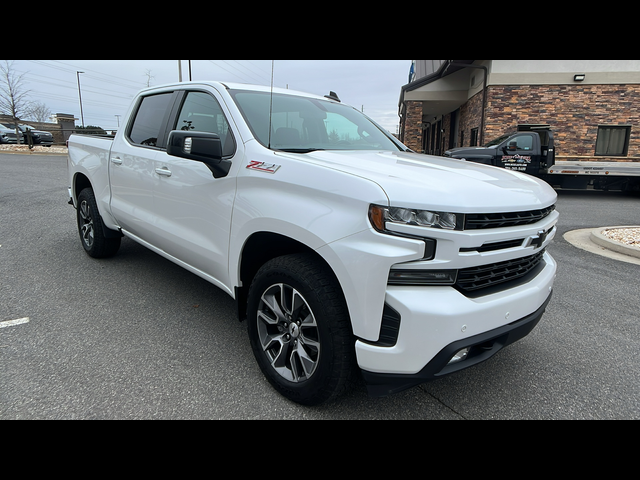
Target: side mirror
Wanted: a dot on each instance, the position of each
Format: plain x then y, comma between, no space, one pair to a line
199,146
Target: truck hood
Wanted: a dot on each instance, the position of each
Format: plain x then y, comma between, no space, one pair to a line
414,180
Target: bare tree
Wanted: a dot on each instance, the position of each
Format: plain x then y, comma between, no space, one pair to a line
13,95
39,112
149,77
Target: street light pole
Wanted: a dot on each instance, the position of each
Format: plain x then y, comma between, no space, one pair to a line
80,97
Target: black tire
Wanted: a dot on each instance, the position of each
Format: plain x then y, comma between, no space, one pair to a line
91,228
299,329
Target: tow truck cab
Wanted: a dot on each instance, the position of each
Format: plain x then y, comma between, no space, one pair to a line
530,150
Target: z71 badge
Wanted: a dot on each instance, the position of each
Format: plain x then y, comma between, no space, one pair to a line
263,167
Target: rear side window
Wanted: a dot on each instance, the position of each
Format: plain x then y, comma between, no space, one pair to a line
149,119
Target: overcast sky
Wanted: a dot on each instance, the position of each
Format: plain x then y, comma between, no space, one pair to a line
108,86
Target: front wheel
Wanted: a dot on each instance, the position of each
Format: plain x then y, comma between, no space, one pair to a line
91,228
300,330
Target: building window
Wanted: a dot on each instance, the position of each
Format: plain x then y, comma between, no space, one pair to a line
613,140
474,137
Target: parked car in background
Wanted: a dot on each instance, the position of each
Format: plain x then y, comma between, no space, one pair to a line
7,135
39,137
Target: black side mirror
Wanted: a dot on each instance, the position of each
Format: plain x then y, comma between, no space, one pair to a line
200,146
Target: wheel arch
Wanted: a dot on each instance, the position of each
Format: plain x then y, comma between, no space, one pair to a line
80,182
259,248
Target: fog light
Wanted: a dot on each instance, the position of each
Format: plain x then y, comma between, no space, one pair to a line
460,355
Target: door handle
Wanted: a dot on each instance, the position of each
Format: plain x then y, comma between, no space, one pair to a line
163,171
116,160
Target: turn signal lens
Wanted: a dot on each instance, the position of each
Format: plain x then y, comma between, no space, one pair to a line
377,217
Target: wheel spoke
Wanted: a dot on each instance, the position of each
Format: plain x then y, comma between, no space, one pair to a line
270,300
85,213
305,361
309,342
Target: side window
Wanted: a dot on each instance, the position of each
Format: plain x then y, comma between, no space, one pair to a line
201,112
149,118
522,142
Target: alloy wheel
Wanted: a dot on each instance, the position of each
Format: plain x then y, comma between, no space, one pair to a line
288,333
86,226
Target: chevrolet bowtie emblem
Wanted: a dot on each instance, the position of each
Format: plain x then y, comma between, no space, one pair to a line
538,240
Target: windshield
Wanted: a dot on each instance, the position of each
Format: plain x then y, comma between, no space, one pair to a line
498,141
302,124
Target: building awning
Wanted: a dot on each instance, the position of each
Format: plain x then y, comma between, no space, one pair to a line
441,92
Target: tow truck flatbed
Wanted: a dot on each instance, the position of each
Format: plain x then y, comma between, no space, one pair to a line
570,167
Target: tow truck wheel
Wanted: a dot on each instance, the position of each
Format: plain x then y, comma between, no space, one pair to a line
91,228
299,329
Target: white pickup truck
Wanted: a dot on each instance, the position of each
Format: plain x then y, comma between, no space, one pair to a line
345,251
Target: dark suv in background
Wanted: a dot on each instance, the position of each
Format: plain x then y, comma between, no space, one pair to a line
39,137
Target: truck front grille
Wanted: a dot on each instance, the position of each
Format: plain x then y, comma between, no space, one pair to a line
476,278
476,221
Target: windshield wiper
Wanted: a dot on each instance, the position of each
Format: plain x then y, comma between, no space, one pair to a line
299,150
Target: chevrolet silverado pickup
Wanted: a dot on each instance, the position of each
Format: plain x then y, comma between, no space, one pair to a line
345,252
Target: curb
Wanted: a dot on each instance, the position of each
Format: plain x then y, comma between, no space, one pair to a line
598,238
30,152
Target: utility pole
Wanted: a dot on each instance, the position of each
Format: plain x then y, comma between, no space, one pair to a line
180,70
80,97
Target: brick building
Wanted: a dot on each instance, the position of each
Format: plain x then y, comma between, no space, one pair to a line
593,106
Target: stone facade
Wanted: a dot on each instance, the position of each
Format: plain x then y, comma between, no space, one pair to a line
470,117
574,113
412,126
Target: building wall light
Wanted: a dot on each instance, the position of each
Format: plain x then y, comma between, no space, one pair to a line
579,77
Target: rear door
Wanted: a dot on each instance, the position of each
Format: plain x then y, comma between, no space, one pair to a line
132,166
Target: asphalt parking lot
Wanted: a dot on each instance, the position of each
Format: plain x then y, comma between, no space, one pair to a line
137,337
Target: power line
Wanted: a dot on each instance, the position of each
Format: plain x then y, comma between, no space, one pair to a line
228,71
75,68
250,72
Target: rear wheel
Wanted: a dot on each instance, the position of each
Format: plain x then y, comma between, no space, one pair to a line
91,228
300,330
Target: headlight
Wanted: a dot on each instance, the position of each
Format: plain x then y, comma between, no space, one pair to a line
379,215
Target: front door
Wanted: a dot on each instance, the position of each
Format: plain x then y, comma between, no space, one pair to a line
521,152
194,208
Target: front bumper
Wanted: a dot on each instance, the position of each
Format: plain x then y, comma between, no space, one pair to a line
437,322
481,347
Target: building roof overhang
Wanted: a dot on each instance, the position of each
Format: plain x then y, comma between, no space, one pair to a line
440,92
